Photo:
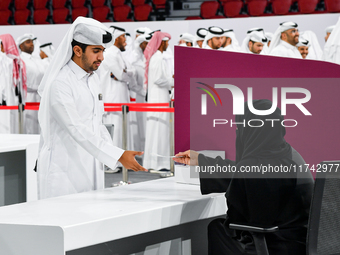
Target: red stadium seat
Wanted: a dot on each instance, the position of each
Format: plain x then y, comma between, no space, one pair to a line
307,6
256,7
118,3
98,3
232,9
120,13
4,4
142,12
21,17
78,3
101,13
209,9
40,16
4,16
281,7
332,5
79,12
60,16
137,2
21,4
159,4
59,4
40,4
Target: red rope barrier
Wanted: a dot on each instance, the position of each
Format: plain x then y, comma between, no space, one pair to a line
137,104
142,107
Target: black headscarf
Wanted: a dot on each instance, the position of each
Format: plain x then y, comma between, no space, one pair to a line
265,142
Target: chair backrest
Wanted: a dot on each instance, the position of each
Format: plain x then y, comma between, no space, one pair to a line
137,2
307,6
232,9
281,7
21,4
324,219
142,12
4,16
159,2
332,5
209,9
59,4
256,7
40,4
118,3
101,13
120,13
78,3
4,4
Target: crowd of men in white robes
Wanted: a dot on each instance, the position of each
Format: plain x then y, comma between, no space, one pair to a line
141,70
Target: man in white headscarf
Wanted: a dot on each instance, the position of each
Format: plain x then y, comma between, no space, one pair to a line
314,49
331,52
158,83
269,37
47,51
284,41
74,143
231,43
117,77
200,35
254,41
303,46
212,40
6,67
142,30
35,69
186,40
138,62
329,31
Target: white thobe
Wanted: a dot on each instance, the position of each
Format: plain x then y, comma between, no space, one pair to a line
138,62
116,91
35,72
8,118
287,50
157,139
79,141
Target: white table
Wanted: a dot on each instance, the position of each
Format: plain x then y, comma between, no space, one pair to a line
18,154
54,226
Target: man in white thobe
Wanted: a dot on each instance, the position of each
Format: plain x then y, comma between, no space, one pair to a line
117,78
331,52
35,72
200,35
229,41
74,142
284,41
186,40
254,41
14,78
46,53
303,46
158,83
329,31
138,62
213,39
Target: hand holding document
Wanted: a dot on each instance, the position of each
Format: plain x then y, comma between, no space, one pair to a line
188,157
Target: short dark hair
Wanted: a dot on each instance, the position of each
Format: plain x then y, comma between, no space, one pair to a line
81,45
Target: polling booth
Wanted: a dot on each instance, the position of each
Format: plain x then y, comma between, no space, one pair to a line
212,92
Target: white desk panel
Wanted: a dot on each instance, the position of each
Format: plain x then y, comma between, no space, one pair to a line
100,216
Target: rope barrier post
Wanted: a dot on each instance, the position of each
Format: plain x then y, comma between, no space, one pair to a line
21,118
172,137
125,110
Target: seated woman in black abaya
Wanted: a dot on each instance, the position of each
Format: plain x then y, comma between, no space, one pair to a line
264,200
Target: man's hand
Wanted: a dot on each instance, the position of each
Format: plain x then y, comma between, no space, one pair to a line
188,157
129,162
